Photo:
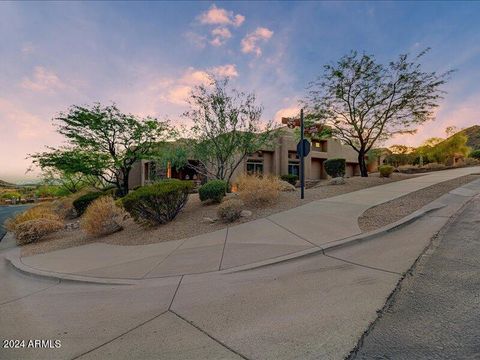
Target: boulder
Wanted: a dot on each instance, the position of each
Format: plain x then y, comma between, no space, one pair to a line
286,186
246,213
337,181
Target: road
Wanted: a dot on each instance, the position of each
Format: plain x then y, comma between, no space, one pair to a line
8,211
436,312
309,307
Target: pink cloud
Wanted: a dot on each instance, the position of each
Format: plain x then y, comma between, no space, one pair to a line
286,112
42,80
250,43
219,16
220,36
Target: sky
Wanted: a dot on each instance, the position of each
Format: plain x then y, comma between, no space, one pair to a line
146,57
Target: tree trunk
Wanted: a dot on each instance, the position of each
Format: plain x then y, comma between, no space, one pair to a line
362,163
124,182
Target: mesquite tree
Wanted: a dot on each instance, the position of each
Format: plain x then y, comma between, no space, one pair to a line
364,101
226,128
103,142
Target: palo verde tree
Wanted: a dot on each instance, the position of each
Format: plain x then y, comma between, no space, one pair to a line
226,128
103,142
364,101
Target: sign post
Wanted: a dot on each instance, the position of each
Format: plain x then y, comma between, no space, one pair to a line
303,147
302,157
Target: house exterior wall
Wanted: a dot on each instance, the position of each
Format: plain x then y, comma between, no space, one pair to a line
279,159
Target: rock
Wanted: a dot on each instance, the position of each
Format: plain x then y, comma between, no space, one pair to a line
246,213
286,186
337,181
209,220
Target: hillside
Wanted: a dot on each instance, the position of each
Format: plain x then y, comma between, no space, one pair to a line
6,184
473,134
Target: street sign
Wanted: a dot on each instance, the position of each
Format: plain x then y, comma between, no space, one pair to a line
306,148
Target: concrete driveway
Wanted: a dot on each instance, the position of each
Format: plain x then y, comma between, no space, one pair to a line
314,306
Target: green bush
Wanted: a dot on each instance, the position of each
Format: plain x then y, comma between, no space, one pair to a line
10,195
385,170
83,201
291,179
157,203
213,190
475,154
335,167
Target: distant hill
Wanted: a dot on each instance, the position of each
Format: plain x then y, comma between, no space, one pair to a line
473,135
6,184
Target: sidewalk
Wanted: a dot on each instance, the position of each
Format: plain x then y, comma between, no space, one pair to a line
296,231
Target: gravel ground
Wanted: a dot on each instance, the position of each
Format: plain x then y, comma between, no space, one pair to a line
394,210
190,221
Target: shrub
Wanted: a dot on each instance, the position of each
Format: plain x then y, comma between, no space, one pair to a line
471,161
335,167
434,166
33,230
213,190
10,195
256,190
42,211
230,210
83,201
102,217
292,179
407,169
385,170
475,154
157,203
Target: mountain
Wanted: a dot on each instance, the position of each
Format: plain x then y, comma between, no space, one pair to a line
6,184
473,135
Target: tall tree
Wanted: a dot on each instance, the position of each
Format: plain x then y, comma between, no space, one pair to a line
103,142
226,128
365,102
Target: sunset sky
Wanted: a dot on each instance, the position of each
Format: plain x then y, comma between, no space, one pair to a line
147,56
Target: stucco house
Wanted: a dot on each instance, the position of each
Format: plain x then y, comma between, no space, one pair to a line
279,159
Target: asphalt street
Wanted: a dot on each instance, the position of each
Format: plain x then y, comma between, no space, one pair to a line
435,314
6,212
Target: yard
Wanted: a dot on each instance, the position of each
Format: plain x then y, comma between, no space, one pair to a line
195,218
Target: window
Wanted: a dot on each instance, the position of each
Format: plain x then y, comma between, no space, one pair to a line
320,145
292,155
146,171
294,168
254,166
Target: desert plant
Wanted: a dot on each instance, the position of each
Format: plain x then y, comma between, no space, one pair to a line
102,217
10,195
230,210
157,203
434,166
256,190
83,201
213,190
33,230
385,170
471,161
335,167
475,154
292,179
42,211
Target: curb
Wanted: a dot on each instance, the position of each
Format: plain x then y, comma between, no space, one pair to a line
336,244
15,261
